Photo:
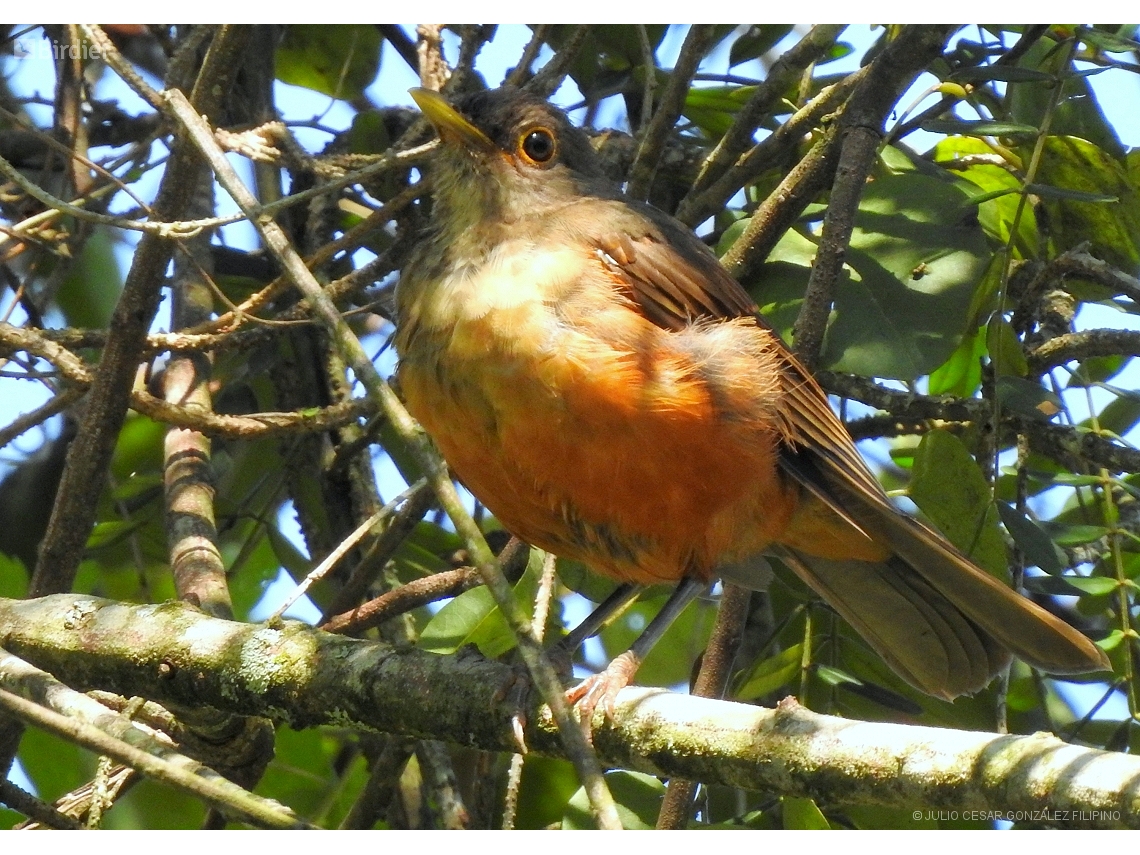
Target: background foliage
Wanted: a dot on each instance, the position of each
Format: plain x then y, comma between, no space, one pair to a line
980,339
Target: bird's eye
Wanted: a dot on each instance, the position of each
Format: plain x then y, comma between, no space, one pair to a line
538,146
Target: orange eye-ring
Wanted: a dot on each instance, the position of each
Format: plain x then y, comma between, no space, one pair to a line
538,146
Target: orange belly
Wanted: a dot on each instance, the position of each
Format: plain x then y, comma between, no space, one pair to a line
638,461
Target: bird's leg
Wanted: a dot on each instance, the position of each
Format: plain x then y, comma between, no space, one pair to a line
603,688
621,597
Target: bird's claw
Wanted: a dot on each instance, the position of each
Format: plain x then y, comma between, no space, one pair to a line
602,689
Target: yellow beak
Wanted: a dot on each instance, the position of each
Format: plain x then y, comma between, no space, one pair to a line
450,124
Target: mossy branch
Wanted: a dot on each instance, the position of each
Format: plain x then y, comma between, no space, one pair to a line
295,674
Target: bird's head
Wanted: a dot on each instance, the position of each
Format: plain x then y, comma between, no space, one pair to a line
505,155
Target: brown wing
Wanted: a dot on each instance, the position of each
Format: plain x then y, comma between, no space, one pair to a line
936,618
675,280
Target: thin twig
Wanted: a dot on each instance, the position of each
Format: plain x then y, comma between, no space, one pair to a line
697,41
26,421
413,595
77,718
252,426
521,72
364,574
769,93
344,547
110,54
649,63
712,679
36,809
695,208
550,76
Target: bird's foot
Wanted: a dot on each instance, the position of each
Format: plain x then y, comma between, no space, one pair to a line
602,689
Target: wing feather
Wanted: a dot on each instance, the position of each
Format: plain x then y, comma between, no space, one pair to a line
965,615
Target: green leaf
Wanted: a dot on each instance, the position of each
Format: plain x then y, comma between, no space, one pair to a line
1075,110
1047,192
112,532
771,674
1033,541
368,134
310,772
1075,534
340,60
671,660
949,487
13,578
451,626
757,41
1119,415
1026,398
547,785
419,554
979,128
915,259
1097,586
1068,479
474,618
1111,641
1004,348
638,798
292,559
961,374
1007,73
579,578
91,288
1097,369
1079,166
713,108
836,676
998,204
1110,42
248,571
609,55
802,814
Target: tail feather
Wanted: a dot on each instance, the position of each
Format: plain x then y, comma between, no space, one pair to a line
1034,635
945,625
923,637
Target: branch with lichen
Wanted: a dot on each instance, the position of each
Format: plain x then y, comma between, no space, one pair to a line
295,674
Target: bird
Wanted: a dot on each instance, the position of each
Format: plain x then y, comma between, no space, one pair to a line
598,380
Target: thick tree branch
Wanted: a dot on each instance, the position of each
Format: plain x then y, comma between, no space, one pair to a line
861,124
1082,345
293,673
106,405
